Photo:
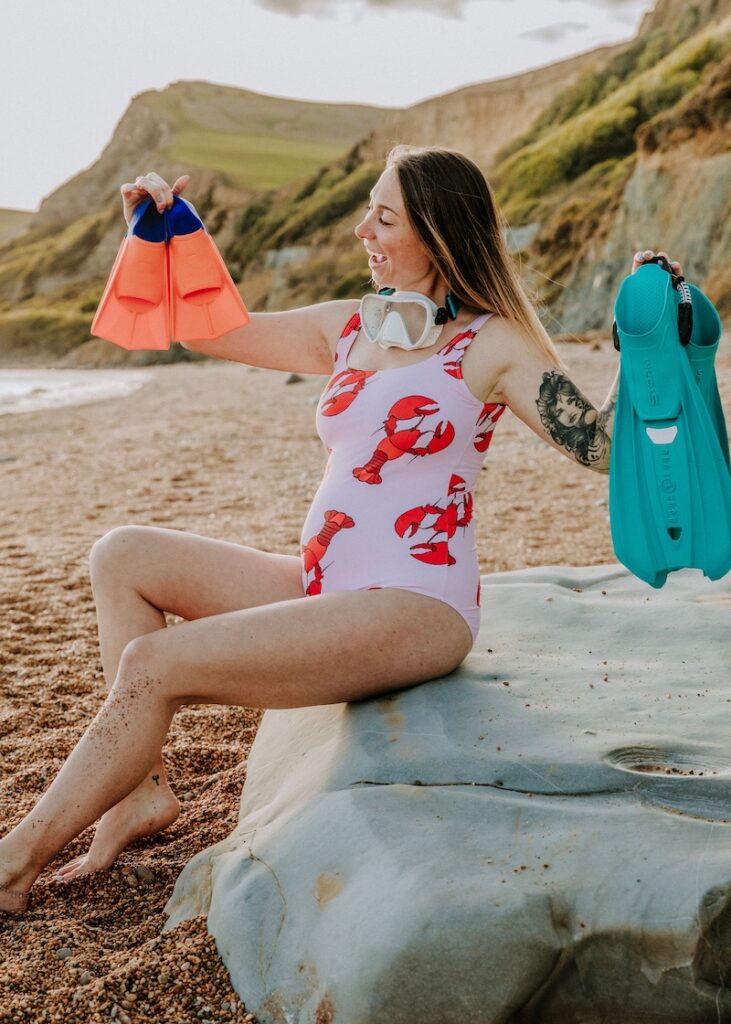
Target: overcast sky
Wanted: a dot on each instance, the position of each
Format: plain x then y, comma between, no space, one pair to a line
69,68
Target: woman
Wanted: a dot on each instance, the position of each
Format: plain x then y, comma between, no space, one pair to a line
397,594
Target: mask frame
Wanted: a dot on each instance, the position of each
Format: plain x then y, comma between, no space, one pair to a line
404,319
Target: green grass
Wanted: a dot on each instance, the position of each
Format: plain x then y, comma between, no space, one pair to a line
250,161
607,131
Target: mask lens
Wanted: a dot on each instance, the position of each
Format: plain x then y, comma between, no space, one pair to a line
403,321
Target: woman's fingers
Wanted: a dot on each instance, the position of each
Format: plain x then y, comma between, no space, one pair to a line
644,255
150,184
180,184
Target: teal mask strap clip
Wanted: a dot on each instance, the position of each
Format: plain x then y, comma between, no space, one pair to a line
448,311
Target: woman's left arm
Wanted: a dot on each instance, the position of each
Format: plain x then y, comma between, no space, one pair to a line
546,400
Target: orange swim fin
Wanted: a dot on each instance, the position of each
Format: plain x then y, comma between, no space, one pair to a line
204,302
133,310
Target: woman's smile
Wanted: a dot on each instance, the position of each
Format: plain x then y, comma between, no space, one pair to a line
376,260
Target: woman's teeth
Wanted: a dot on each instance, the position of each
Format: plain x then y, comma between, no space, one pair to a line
376,258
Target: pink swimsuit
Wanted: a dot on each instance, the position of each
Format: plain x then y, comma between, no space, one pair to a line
394,508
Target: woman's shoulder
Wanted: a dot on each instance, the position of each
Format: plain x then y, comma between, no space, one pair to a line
507,344
337,315
499,344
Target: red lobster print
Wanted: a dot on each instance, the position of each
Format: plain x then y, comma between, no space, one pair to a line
457,513
454,368
402,442
490,414
353,379
315,548
352,325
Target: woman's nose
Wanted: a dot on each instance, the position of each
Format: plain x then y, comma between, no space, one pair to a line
361,228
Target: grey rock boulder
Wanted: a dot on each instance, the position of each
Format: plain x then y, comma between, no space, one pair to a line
543,835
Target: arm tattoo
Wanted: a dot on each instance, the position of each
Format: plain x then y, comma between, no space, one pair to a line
571,421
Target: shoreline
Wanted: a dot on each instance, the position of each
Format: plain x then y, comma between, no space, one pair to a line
28,389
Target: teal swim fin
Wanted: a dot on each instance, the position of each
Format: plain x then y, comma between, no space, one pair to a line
669,485
701,352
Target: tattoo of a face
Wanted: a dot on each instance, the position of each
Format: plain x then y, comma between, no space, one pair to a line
570,420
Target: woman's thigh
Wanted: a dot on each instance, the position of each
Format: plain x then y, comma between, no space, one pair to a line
193,576
339,646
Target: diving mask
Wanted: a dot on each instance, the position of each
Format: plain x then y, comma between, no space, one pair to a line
406,320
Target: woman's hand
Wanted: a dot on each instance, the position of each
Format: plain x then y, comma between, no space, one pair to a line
150,185
641,257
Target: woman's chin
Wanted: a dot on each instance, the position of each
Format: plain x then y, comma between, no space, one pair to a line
379,282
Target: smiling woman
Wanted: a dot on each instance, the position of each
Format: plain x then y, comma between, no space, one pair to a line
386,591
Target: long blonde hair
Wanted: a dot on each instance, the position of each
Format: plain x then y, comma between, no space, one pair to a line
454,213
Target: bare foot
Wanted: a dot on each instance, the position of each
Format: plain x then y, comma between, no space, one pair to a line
147,810
14,901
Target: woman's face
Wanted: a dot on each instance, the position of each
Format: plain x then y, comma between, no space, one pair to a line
398,258
569,409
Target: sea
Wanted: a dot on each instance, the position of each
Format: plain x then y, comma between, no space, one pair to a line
31,390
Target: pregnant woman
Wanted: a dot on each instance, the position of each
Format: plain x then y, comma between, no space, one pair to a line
385,593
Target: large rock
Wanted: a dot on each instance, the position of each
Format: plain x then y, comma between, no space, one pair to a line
544,835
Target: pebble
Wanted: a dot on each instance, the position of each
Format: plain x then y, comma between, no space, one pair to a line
144,874
131,880
85,978
63,953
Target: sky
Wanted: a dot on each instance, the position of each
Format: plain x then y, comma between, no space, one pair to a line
70,68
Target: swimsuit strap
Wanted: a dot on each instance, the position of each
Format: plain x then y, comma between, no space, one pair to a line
458,344
345,341
478,322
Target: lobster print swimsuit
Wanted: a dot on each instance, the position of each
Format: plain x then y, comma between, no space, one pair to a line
394,507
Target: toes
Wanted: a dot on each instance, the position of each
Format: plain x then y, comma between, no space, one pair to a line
70,869
68,874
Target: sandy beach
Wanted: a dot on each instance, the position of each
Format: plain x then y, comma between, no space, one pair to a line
230,452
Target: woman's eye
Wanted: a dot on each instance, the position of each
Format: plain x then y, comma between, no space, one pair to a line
380,219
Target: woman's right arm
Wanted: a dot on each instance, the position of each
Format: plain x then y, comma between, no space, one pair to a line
298,340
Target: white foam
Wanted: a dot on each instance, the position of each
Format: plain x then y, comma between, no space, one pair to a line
30,390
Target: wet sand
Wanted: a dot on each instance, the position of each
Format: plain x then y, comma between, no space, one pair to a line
230,452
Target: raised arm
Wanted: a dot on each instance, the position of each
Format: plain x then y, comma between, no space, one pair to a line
298,340
542,395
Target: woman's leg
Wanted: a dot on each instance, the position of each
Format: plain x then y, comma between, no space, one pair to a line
336,647
136,572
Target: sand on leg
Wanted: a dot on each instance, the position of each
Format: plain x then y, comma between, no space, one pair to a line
138,573
341,646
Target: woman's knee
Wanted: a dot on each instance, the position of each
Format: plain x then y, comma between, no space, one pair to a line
144,670
114,550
